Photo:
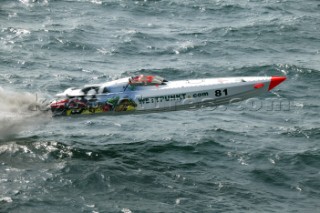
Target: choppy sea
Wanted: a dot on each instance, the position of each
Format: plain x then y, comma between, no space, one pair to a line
224,159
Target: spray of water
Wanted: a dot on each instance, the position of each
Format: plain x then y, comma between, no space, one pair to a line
20,112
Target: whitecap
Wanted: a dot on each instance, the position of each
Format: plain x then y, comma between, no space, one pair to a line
178,201
6,199
96,1
126,210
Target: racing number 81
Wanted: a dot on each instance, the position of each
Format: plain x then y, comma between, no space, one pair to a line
218,92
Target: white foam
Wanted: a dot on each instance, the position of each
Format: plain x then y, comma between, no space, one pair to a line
126,210
6,199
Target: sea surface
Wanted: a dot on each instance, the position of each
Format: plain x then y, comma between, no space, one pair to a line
255,157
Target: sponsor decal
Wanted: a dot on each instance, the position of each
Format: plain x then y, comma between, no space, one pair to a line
201,94
175,97
84,106
163,98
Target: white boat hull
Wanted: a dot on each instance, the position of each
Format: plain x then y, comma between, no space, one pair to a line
174,95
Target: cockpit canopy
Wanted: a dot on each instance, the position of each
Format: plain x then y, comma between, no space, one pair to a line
90,89
119,85
145,80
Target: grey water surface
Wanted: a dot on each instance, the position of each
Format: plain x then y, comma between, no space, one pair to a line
239,158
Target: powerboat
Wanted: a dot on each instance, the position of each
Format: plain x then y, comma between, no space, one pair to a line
149,93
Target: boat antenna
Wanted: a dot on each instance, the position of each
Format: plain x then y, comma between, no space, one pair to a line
124,89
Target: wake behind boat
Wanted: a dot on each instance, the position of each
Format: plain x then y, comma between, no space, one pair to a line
153,93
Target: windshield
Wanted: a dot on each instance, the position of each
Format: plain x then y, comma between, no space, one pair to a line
105,90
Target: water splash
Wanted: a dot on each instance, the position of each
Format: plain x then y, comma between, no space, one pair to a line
20,112
30,3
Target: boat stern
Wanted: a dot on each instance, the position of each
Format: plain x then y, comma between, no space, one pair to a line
58,107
